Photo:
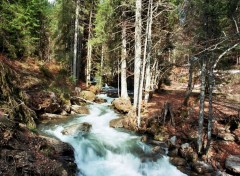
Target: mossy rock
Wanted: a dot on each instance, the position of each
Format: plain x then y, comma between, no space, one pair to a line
88,95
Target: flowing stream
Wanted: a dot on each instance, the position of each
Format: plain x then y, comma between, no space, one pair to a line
105,151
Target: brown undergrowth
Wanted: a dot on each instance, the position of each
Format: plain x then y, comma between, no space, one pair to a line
186,122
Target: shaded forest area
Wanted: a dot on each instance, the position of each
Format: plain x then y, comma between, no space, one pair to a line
176,61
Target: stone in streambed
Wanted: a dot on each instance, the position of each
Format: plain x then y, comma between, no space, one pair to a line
74,129
116,123
100,100
88,95
177,161
122,105
49,116
77,101
202,167
79,109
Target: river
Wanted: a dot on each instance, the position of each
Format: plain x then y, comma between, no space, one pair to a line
105,151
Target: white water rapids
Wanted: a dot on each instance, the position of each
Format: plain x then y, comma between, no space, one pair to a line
105,151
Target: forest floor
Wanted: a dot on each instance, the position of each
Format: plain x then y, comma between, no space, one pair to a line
225,113
37,76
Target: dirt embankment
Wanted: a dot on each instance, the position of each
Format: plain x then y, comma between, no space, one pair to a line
22,150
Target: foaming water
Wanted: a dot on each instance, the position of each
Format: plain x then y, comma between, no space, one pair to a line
105,151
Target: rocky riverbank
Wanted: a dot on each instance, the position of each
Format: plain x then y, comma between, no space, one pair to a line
24,152
180,137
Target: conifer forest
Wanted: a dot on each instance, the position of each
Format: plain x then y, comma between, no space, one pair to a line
119,87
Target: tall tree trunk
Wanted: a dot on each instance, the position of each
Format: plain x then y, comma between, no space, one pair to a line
138,43
190,82
118,72
79,56
146,51
89,51
75,41
153,75
124,92
148,57
201,108
210,108
101,67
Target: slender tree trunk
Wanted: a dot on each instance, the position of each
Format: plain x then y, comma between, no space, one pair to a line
201,108
190,83
124,92
118,72
149,48
75,41
210,108
146,51
89,51
101,65
153,75
138,43
142,71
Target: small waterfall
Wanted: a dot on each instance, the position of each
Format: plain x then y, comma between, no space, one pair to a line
105,151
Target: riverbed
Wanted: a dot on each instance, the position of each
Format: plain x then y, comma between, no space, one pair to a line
105,151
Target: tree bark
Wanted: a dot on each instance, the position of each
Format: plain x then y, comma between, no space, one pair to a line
154,75
201,108
138,43
75,41
146,51
148,59
89,51
190,83
124,92
101,67
210,108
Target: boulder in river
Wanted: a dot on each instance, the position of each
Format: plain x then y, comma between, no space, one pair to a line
202,167
88,95
25,153
78,101
76,128
49,116
116,123
177,161
122,104
80,109
100,100
93,89
232,163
